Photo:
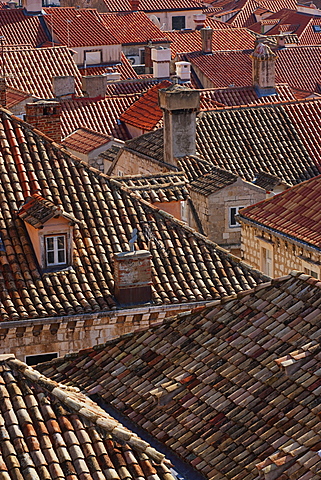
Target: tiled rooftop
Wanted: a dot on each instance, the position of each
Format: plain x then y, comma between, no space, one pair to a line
295,212
15,96
235,67
186,266
49,431
131,27
85,140
78,27
267,181
124,68
157,188
20,65
233,388
19,28
213,181
152,5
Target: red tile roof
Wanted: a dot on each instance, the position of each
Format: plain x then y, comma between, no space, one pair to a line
85,140
15,96
153,5
248,96
78,27
19,28
20,65
296,212
124,68
145,112
131,27
297,66
223,39
100,116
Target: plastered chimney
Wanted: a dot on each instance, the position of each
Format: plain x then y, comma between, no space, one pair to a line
46,117
161,58
263,70
183,70
94,86
63,86
180,105
207,36
32,6
199,20
133,277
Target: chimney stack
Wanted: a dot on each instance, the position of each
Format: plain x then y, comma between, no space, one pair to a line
207,36
45,115
134,5
199,20
161,58
263,70
180,105
32,6
183,71
94,86
63,86
3,92
133,277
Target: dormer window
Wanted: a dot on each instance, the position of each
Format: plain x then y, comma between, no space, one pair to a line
56,253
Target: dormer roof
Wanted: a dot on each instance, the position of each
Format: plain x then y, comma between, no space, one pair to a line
37,211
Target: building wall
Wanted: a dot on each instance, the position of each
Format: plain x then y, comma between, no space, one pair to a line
71,334
110,53
286,256
165,18
214,210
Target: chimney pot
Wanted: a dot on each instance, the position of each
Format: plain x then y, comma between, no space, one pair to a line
133,277
207,37
46,117
263,70
161,58
183,70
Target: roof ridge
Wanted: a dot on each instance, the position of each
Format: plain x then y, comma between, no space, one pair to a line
84,406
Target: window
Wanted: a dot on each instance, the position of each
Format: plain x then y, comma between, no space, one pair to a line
317,28
93,57
142,56
233,211
310,268
120,173
178,23
35,359
56,253
267,261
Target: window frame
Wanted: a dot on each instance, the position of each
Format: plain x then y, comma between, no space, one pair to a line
237,224
56,250
175,19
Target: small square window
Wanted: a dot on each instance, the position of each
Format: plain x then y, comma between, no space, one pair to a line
178,23
56,252
233,211
317,28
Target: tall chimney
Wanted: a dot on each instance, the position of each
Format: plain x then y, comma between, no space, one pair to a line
180,105
161,58
263,70
207,36
94,86
134,5
133,277
45,115
3,93
63,86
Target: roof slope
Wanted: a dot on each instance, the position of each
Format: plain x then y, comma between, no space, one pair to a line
50,431
85,140
186,267
295,212
152,5
19,28
131,27
235,67
20,65
283,140
210,384
77,27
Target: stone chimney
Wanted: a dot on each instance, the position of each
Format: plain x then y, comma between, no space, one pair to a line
134,5
94,86
180,105
183,71
161,58
63,86
263,70
3,92
207,36
45,115
199,20
133,277
32,6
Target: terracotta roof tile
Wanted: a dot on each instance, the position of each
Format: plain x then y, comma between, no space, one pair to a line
53,431
291,212
106,212
78,27
213,181
152,5
219,394
15,96
131,27
19,28
85,140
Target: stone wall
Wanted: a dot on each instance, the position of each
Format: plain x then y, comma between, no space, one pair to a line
287,256
64,335
129,163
